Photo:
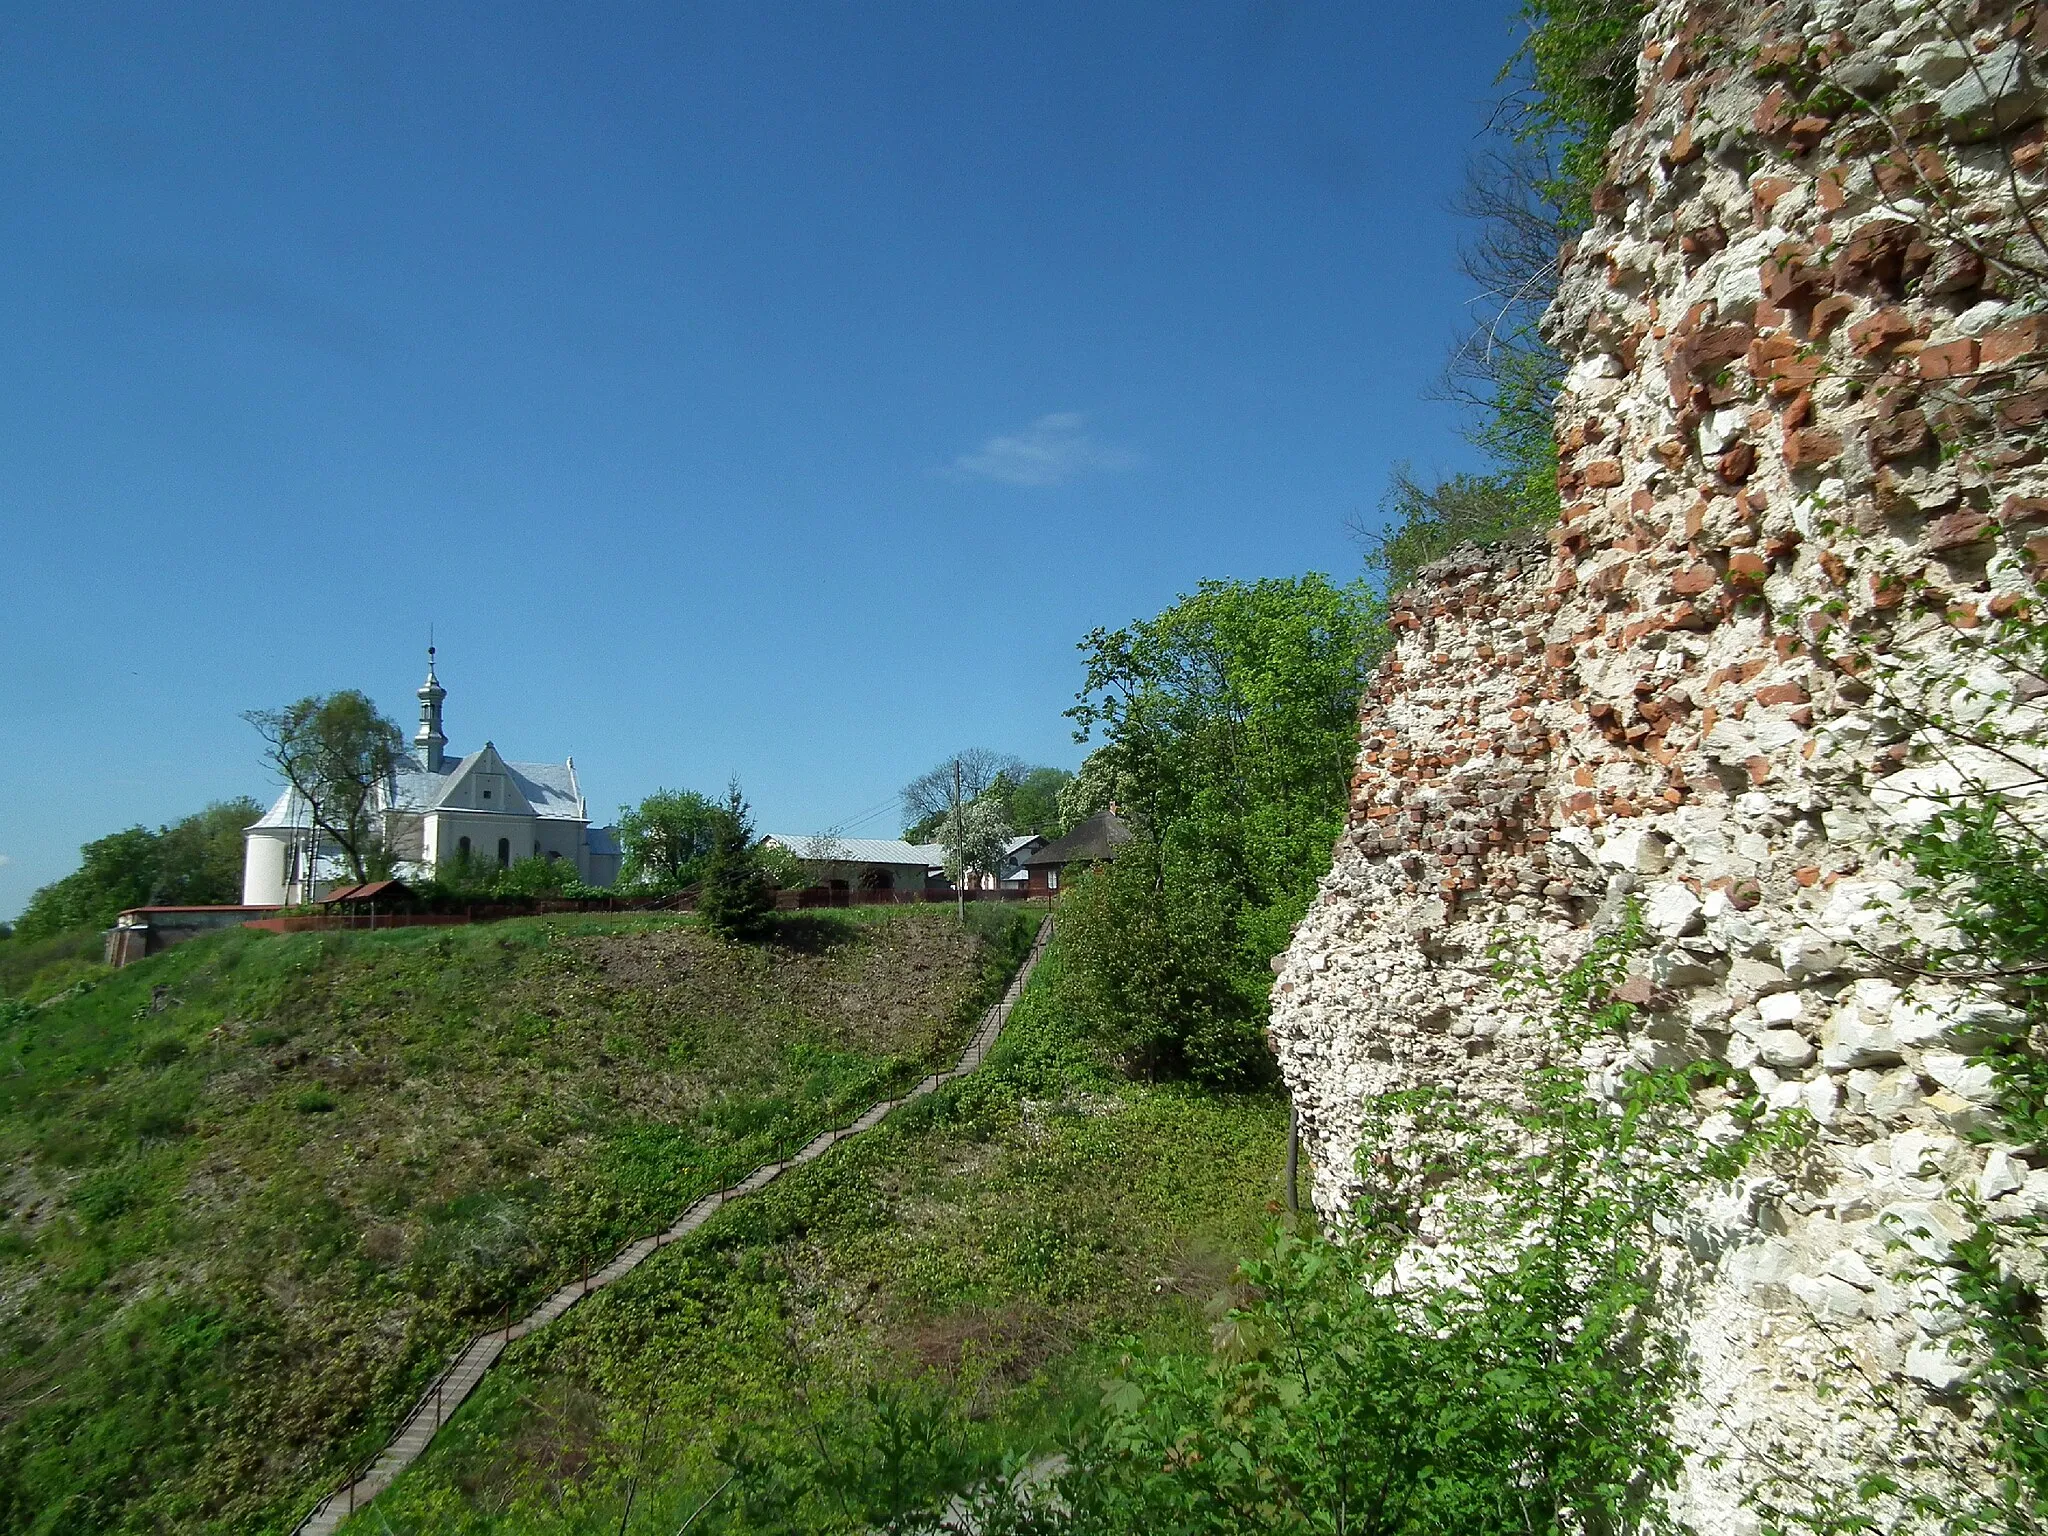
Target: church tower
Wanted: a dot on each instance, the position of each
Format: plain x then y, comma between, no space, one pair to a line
428,743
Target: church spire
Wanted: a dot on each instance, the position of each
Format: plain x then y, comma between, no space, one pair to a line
429,741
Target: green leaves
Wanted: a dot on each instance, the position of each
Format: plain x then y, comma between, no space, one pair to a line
1580,58
194,861
338,752
736,901
1229,725
1516,1381
667,839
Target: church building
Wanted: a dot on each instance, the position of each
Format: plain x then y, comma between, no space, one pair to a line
435,810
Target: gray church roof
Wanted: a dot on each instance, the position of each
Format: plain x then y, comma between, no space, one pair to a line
550,788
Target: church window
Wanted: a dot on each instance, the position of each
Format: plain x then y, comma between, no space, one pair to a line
504,853
462,849
536,847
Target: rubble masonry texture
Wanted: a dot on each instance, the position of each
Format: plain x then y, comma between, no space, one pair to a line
1761,329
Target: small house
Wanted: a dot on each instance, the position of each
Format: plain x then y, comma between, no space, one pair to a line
1094,840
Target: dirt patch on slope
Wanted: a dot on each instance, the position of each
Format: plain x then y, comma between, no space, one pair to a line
898,985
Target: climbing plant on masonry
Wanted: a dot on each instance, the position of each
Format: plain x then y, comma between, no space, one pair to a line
1473,1347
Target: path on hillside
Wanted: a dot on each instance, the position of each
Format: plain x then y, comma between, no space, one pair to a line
438,1404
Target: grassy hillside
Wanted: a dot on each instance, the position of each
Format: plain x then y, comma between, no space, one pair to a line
256,1189
925,1301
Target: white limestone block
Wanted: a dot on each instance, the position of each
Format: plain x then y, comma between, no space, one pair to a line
1638,850
1849,1265
1828,1298
1822,1098
1884,1095
1784,1048
1931,1363
1973,1081
1918,1154
2003,1174
1930,1228
1671,910
1847,1041
1780,1008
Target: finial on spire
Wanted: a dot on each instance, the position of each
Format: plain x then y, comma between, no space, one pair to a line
429,740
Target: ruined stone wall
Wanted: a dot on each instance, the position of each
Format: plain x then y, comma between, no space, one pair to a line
1806,383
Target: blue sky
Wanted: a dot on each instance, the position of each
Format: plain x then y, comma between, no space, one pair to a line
768,389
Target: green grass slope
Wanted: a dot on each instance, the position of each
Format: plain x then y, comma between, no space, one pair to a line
945,1292
256,1189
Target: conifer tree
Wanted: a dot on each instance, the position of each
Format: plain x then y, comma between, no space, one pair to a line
736,900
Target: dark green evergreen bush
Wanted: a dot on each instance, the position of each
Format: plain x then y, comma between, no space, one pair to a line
736,900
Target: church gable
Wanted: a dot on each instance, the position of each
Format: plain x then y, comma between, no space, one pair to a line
484,782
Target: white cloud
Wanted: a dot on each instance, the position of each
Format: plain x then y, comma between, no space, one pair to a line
5,861
1051,451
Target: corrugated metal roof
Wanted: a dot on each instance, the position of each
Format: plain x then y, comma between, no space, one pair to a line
863,850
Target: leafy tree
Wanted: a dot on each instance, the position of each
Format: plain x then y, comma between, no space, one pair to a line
785,871
475,876
196,861
115,872
199,858
1231,729
667,839
1233,716
1577,70
966,775
1098,786
339,753
1030,798
1424,523
974,836
735,900
1150,968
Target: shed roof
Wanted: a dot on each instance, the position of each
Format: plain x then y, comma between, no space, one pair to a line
1096,838
370,890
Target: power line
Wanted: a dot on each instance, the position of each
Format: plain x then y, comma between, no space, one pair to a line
861,818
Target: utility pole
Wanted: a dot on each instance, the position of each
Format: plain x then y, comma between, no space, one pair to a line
960,884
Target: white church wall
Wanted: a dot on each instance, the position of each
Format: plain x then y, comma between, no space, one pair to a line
484,829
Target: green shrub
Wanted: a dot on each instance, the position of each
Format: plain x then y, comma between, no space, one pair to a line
1149,967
